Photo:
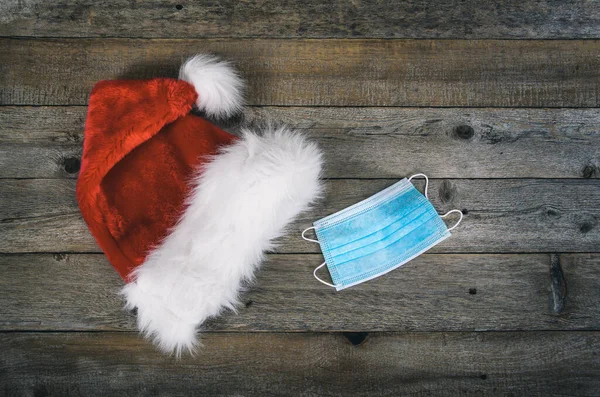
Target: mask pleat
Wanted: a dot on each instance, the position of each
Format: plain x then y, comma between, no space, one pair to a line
378,234
424,229
380,198
369,221
389,257
395,230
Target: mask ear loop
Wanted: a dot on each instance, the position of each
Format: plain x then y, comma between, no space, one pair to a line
322,264
317,277
459,220
427,197
426,182
309,239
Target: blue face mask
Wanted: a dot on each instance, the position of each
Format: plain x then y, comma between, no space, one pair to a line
379,234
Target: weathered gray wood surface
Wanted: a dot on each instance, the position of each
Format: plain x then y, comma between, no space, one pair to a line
431,293
309,18
499,73
523,364
503,215
45,142
525,259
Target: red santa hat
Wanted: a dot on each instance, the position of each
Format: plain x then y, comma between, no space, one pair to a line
182,209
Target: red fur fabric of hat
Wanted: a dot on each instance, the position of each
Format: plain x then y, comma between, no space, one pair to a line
182,209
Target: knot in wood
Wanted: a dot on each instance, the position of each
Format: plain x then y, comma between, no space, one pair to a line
72,165
588,171
447,192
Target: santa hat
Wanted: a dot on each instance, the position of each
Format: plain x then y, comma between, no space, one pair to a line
182,209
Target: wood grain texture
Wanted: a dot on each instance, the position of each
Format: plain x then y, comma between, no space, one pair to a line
45,142
446,292
531,364
309,18
476,73
508,306
502,215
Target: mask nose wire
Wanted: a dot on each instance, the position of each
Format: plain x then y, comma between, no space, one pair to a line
459,220
309,239
426,182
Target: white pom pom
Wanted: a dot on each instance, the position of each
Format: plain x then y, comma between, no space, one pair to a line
218,85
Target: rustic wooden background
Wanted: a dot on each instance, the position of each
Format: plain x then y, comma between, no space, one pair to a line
499,102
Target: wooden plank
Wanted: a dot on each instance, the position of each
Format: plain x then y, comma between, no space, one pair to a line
495,73
502,215
91,364
45,142
309,18
434,292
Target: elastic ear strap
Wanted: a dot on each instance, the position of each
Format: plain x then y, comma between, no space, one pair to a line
317,277
459,220
426,182
309,239
322,264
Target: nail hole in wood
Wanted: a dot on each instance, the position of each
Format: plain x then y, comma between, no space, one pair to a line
472,291
552,212
40,391
179,7
483,376
249,303
356,338
464,131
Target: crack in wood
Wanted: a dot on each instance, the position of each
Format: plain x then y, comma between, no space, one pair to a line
559,284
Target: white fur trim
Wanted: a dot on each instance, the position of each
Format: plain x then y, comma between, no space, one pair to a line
242,200
218,85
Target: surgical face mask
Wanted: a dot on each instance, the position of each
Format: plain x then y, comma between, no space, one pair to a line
379,234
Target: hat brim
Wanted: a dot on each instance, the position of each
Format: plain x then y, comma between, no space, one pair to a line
241,200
